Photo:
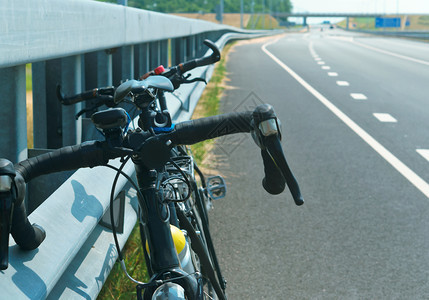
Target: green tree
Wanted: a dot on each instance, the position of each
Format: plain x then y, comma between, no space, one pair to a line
208,6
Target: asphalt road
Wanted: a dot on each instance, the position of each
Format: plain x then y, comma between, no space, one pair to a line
363,232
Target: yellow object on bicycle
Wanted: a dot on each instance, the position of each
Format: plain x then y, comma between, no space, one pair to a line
178,238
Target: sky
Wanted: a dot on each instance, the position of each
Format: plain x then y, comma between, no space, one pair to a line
362,6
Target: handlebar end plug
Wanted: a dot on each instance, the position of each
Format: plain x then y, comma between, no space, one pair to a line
299,202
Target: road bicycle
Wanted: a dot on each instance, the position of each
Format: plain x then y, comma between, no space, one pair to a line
173,208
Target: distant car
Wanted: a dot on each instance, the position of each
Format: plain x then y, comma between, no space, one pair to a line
331,27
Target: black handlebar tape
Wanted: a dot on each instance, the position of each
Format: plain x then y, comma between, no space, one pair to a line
27,236
189,65
199,62
194,131
87,95
273,182
88,154
274,148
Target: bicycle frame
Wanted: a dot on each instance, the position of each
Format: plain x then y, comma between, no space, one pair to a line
155,220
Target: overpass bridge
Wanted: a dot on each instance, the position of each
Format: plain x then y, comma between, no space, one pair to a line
347,16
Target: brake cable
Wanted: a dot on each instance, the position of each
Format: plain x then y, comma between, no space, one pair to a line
112,220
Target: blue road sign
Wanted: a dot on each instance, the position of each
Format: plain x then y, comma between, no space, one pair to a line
387,22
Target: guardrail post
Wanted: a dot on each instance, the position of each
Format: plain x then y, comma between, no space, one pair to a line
123,64
104,68
163,52
178,50
199,44
141,61
71,82
13,123
98,73
190,47
90,72
47,126
154,54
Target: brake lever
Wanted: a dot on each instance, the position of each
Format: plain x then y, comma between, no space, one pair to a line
6,211
194,80
275,150
267,136
7,193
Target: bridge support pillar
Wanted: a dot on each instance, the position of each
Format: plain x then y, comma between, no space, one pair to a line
13,123
347,23
304,22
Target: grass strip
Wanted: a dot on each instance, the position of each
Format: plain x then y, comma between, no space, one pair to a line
208,105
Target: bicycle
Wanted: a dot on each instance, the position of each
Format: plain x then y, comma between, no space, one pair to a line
172,208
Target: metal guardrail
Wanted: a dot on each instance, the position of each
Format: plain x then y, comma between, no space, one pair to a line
81,44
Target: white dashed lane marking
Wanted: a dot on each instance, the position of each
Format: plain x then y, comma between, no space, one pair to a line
358,96
321,63
343,83
333,74
383,117
403,169
326,67
424,153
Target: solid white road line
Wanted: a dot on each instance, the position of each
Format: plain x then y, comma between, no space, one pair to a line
358,96
424,153
343,83
333,74
404,170
419,61
386,118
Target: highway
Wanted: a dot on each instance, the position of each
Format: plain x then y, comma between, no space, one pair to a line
354,110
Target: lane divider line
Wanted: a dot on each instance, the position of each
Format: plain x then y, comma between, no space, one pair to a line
358,96
385,118
311,48
419,61
333,74
326,67
424,153
403,169
352,40
343,83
